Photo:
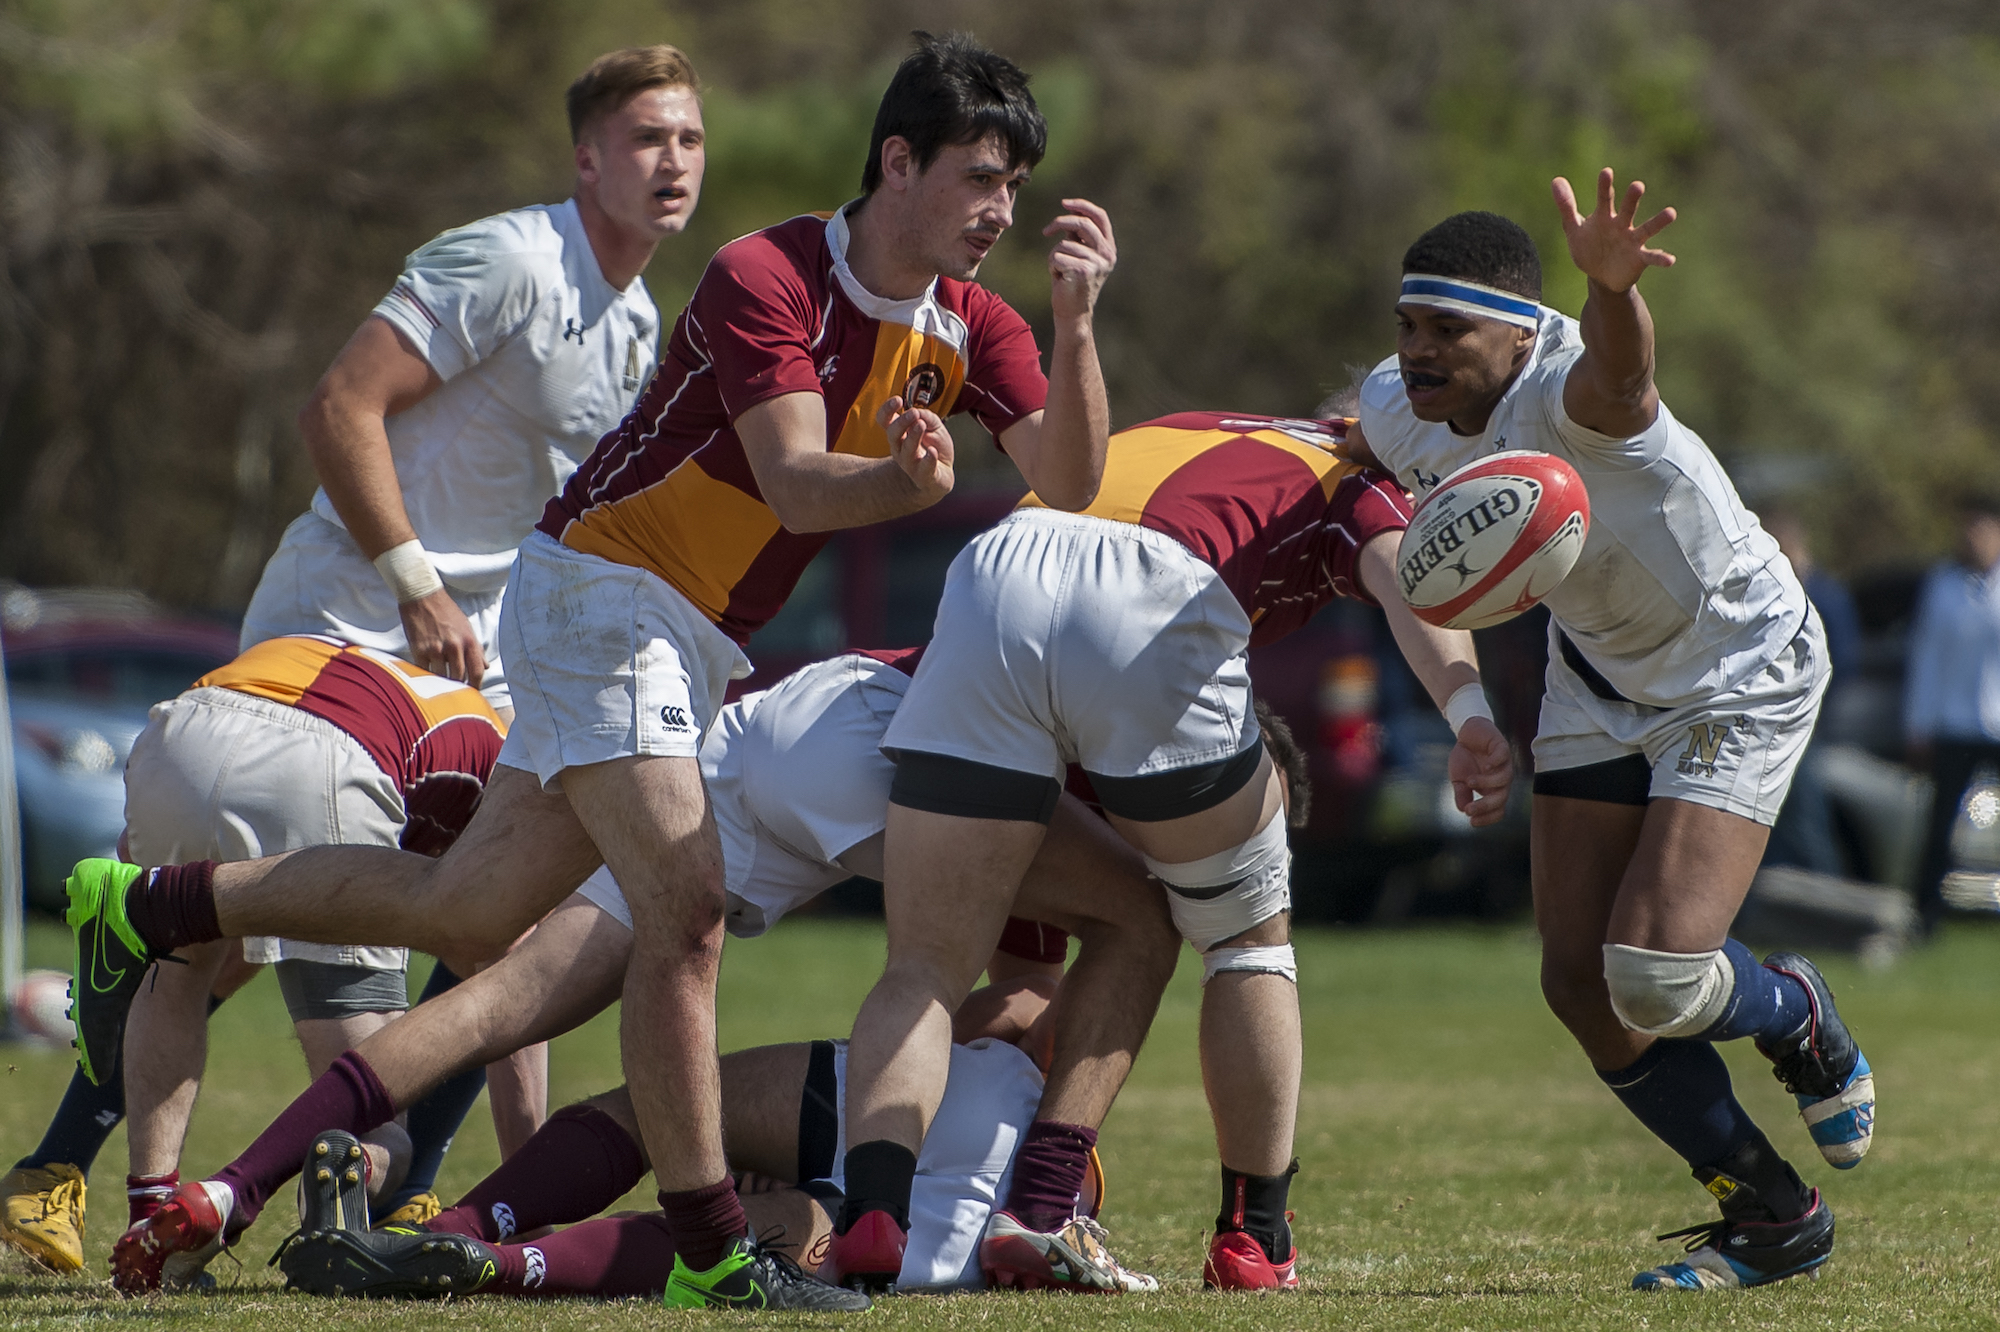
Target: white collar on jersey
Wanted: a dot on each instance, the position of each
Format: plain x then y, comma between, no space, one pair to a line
921,313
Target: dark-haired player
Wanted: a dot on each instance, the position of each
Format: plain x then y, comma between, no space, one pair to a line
628,608
1117,639
1685,670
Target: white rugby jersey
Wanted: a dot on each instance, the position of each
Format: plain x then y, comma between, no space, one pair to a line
1679,593
540,357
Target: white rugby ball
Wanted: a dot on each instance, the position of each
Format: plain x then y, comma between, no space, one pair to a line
39,1007
1492,539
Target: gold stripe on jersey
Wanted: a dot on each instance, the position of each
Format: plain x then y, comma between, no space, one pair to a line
699,534
900,351
1141,460
280,669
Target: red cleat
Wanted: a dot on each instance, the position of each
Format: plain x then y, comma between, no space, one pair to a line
1237,1262
175,1243
869,1257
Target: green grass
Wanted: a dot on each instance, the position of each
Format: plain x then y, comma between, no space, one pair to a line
1462,1168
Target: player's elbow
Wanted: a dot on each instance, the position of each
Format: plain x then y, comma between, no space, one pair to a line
1072,494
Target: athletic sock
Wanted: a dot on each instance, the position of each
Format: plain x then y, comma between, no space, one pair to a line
147,1194
878,1177
706,1223
174,906
612,1257
1754,1183
1048,1171
347,1096
1255,1205
1765,1005
82,1122
1680,1090
576,1165
434,1121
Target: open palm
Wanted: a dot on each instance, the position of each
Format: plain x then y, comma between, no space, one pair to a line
1607,245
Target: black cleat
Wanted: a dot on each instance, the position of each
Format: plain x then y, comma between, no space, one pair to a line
1728,1253
388,1263
754,1276
1825,1071
333,1184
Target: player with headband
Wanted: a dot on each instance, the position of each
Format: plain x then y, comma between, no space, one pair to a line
1685,671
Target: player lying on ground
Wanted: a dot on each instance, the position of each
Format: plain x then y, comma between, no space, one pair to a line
1116,639
298,742
778,415
1685,670
781,1127
800,793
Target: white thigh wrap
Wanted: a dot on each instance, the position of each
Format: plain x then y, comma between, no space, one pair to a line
1231,891
1268,960
1667,994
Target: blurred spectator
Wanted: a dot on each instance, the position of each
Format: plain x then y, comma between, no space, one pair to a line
1951,701
1804,834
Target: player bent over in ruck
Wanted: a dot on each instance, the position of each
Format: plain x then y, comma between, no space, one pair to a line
1116,639
1685,671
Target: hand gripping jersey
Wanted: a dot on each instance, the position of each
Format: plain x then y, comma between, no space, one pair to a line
1679,594
426,733
539,355
778,312
1272,505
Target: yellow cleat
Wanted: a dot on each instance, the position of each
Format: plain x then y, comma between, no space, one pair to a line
412,1214
44,1214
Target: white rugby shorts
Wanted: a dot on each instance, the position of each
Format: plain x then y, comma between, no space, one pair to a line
319,582
1735,752
967,1161
221,775
607,662
796,777
1063,638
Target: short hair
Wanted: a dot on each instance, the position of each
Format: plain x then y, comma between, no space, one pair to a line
1977,503
616,77
952,90
1481,247
1290,759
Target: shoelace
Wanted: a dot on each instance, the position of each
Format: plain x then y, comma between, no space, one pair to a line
770,1245
1707,1233
65,1195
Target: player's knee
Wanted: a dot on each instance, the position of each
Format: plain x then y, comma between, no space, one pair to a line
1221,897
1251,959
1667,994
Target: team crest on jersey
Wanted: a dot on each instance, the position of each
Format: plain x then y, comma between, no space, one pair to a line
926,385
1705,742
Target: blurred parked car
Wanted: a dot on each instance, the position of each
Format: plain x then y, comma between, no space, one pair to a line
83,668
1385,841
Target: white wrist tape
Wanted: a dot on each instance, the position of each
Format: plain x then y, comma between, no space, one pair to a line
1467,702
408,572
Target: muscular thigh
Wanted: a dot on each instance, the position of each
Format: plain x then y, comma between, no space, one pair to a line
522,854
1687,878
1086,872
1579,851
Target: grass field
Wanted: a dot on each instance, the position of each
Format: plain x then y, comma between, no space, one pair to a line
1462,1168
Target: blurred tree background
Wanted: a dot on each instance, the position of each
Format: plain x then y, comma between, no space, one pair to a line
200,199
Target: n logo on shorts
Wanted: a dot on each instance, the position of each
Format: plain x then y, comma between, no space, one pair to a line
1705,741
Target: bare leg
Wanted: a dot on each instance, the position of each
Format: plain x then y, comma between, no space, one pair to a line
324,1040
1578,853
522,854
517,1092
166,1046
1251,1059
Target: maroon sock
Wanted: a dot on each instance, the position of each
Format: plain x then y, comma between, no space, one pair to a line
174,907
147,1194
576,1165
705,1222
612,1257
1048,1172
347,1096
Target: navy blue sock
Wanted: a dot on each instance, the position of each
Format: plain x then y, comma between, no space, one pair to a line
1680,1090
433,1122
1765,1005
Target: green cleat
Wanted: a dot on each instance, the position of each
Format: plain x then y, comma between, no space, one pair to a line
110,961
752,1276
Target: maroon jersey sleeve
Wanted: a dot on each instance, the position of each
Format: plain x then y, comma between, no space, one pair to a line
1003,376
1363,506
753,317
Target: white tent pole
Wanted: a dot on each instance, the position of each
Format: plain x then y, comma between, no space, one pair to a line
11,941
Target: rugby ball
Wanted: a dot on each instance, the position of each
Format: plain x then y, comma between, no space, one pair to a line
38,1009
1492,539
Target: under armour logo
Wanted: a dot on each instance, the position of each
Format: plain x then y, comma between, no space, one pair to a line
674,719
503,1219
572,329
1424,482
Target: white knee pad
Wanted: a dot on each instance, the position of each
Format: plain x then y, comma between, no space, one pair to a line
1667,994
1266,959
1231,891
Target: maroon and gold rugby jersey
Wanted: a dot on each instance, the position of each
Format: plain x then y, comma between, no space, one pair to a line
1273,505
777,312
412,723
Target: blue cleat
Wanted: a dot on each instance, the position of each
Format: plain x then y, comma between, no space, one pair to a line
1825,1071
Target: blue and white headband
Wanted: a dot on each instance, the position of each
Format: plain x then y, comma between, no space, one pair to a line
1470,298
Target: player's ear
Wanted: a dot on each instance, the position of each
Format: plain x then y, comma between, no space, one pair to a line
586,160
899,162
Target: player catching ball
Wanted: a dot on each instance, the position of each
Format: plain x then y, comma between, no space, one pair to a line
1685,672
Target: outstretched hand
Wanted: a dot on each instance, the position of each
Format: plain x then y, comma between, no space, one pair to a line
1481,768
1607,246
920,444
